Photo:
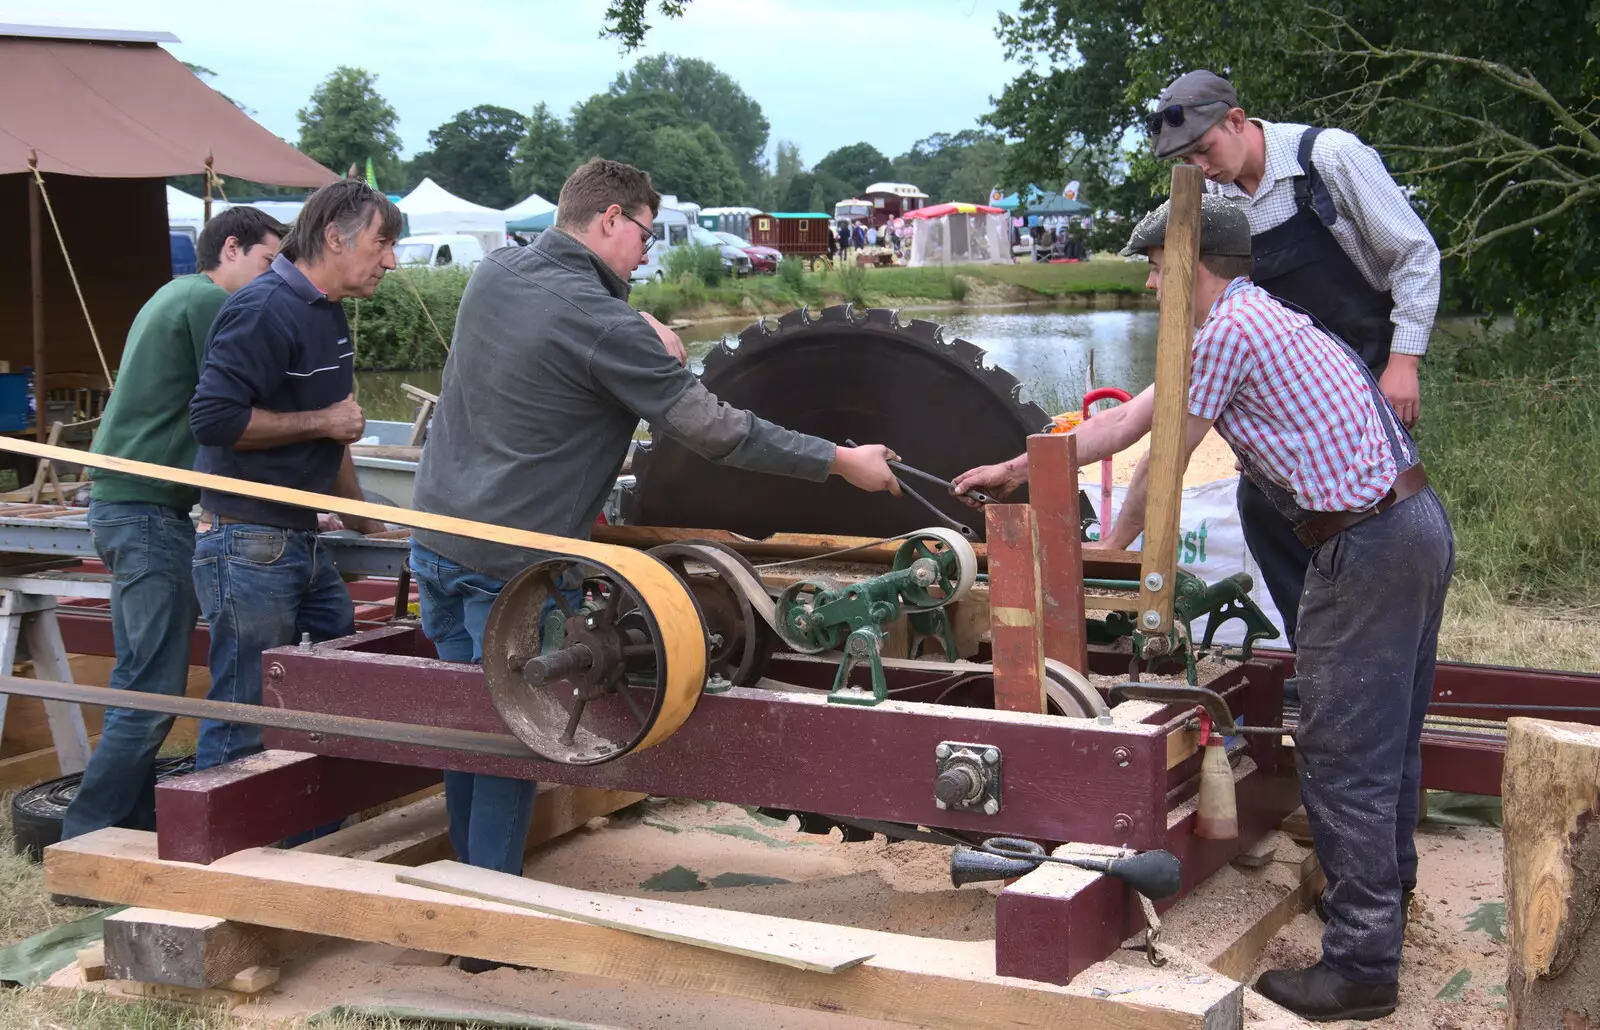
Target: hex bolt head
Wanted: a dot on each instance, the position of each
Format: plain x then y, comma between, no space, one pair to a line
942,751
1122,823
939,804
991,756
1154,581
991,806
275,670
1121,756
1151,620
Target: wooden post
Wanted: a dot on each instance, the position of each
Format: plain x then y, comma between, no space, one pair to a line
1551,826
36,276
1053,493
1169,429
1014,606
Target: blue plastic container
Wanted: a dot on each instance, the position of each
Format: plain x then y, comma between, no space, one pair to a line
14,416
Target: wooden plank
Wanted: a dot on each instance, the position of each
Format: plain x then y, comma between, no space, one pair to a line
788,942
1053,493
1015,601
419,832
924,981
1169,427
185,950
252,980
1551,827
92,963
1241,955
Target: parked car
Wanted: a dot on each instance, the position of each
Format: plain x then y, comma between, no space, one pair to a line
673,229
439,250
184,259
762,259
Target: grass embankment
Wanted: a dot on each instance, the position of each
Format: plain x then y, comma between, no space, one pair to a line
890,287
1512,452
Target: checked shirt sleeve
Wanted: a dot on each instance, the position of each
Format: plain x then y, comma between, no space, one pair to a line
1222,359
1401,245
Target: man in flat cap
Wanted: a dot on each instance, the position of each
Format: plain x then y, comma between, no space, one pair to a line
1315,434
1332,235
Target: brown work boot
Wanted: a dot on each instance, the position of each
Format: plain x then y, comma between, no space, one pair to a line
1323,996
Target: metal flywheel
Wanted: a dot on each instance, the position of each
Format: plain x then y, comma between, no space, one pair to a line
841,375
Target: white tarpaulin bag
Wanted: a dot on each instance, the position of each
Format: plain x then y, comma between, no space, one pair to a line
1211,546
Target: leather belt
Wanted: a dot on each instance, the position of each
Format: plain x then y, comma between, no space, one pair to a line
1329,524
209,519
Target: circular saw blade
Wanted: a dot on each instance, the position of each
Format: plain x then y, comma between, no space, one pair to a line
864,376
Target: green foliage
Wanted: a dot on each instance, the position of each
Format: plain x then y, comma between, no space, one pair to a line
851,281
792,273
854,168
693,163
701,264
959,288
391,331
348,121
470,155
704,95
625,22
1510,427
544,156
786,166
960,167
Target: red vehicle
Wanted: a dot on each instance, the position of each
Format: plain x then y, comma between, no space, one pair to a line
762,259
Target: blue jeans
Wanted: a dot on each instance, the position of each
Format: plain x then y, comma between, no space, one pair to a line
260,587
1368,639
149,549
489,815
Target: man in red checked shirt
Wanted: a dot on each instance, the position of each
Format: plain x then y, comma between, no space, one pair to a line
1312,429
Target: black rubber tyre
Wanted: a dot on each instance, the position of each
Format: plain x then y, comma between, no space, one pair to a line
37,811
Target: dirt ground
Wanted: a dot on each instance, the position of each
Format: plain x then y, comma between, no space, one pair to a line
722,856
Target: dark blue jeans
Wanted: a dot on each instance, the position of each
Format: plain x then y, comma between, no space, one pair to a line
149,550
260,587
489,815
1368,640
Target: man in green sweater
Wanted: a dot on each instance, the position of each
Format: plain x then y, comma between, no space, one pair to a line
142,530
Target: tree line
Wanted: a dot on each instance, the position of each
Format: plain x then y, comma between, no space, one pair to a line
688,123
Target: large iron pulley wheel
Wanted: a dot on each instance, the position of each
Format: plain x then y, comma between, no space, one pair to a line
722,581
576,665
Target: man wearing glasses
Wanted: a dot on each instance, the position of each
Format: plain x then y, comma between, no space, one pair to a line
1333,235
548,376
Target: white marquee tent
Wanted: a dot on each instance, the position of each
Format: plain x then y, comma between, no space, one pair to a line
430,208
528,207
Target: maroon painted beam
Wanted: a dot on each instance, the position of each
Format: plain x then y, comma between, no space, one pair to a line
1053,494
1046,933
255,801
1062,779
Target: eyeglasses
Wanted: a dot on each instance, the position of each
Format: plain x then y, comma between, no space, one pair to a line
1171,115
649,236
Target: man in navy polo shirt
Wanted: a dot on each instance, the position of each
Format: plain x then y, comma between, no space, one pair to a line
275,405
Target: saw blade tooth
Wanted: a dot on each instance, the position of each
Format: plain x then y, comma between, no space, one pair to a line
878,317
968,352
835,314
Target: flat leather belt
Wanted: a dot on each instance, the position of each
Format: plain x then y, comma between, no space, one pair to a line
1326,525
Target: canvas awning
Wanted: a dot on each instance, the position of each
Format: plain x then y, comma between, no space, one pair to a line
130,110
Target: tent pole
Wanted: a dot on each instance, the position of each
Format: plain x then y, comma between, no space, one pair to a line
36,276
206,217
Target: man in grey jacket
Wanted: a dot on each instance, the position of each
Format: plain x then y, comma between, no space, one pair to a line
549,373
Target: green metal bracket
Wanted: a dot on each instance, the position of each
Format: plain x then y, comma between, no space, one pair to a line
934,625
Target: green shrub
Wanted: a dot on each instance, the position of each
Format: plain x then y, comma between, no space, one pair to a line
792,273
959,288
391,331
853,283
700,263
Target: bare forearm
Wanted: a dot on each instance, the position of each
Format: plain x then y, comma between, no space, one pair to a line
1130,520
279,428
1112,432
346,485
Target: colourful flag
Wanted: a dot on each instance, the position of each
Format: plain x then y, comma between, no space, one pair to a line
372,178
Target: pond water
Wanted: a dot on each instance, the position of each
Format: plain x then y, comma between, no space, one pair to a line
1048,351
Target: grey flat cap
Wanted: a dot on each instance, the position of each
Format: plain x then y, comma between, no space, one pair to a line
1224,229
1197,100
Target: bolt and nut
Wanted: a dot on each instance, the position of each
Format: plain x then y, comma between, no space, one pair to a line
1151,619
1122,823
991,756
1121,756
275,670
942,751
1154,581
991,806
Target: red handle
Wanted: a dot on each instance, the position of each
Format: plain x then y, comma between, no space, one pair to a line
1105,393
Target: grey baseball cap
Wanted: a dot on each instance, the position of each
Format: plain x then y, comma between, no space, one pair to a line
1197,100
1224,229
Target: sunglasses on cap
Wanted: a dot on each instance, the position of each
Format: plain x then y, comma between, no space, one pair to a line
1172,115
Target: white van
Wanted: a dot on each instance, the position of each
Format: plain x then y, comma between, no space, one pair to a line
675,228
440,250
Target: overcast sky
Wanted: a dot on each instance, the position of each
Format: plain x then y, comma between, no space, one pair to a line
826,73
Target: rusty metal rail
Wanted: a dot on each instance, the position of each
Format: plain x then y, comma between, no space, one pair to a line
500,744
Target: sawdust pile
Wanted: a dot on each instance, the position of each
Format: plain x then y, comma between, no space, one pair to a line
1211,461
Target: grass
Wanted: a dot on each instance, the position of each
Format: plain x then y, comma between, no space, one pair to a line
687,296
